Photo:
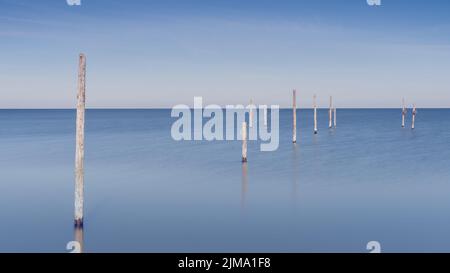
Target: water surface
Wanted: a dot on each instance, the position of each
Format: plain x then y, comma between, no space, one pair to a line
366,180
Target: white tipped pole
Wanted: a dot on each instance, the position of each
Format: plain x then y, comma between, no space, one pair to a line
244,142
79,150
294,116
414,113
330,113
250,119
334,117
403,113
315,115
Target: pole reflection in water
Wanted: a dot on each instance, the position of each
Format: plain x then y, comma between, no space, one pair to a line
76,246
244,188
295,166
79,237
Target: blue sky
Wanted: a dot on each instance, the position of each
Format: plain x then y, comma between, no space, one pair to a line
148,53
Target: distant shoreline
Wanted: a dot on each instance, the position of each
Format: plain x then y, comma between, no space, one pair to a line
283,108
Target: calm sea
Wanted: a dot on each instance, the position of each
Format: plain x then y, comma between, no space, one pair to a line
366,180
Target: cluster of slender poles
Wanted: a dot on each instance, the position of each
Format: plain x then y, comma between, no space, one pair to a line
405,112
331,114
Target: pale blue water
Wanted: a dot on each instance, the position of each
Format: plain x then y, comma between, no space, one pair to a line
367,180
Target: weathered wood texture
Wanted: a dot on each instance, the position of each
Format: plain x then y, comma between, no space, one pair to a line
79,152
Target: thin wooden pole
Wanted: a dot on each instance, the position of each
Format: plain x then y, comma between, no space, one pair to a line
250,119
315,115
403,112
294,116
334,117
244,142
414,113
330,113
79,151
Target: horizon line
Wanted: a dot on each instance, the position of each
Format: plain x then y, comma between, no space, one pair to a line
167,108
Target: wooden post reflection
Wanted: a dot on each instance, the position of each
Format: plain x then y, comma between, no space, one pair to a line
79,237
244,188
295,170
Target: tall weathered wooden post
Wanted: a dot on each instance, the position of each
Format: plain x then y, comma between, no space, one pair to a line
79,150
294,116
